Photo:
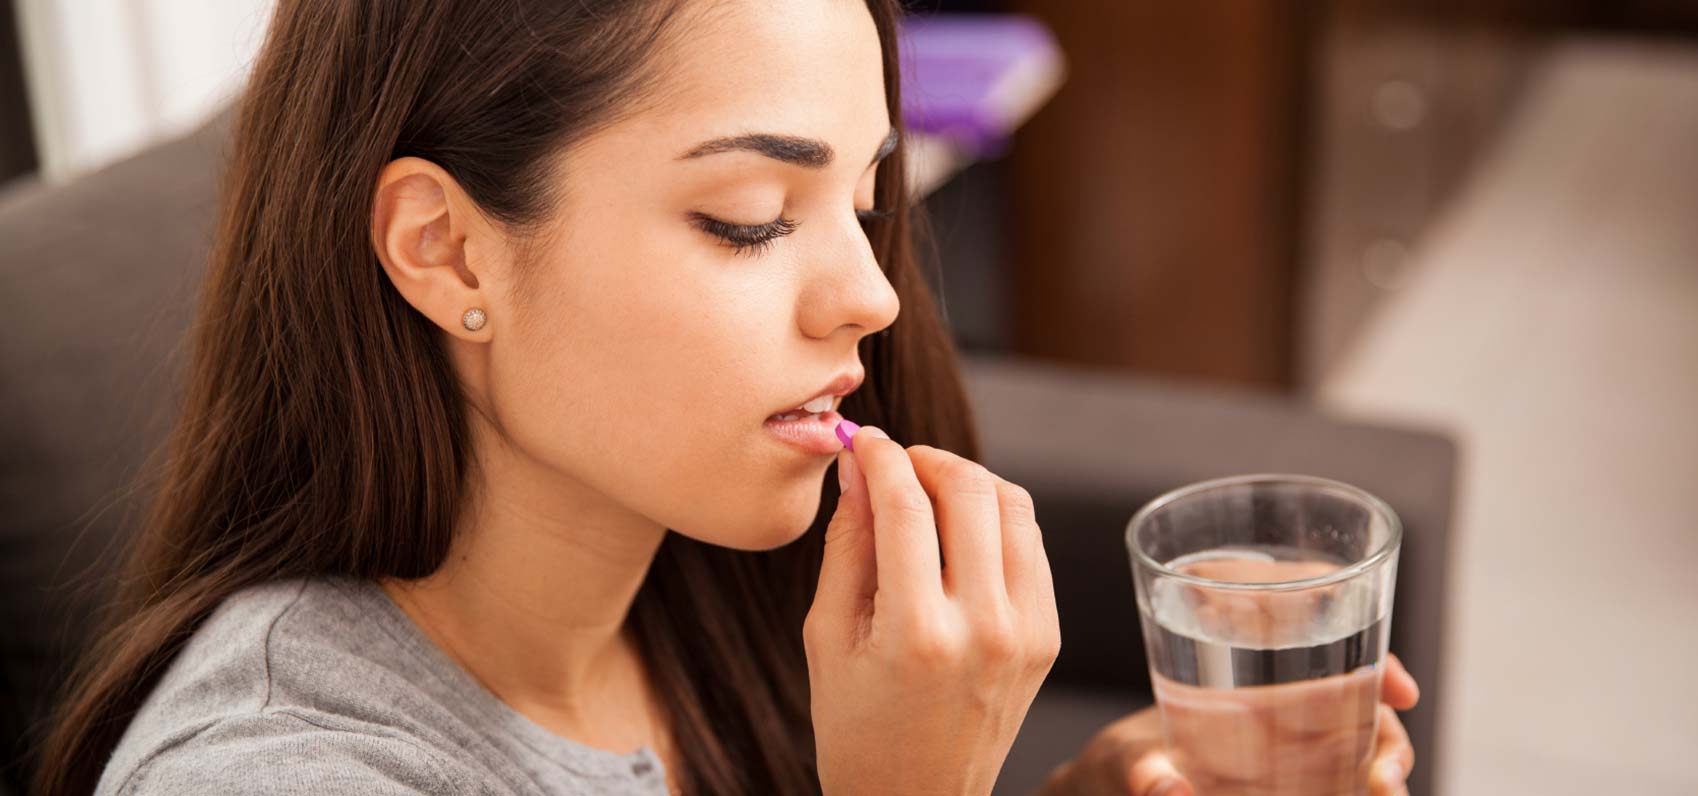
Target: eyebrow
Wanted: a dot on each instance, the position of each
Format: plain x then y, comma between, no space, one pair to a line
806,152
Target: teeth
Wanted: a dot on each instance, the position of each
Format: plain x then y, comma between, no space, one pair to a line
810,409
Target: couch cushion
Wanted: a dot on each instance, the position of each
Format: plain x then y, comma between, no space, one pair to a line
99,277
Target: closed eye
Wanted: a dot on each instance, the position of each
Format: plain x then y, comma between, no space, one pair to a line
745,237
754,238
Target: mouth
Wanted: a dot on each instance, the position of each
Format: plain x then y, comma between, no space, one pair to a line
826,399
812,426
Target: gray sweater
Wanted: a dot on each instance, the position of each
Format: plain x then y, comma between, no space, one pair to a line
323,686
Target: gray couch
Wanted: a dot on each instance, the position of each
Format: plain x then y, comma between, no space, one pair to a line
98,278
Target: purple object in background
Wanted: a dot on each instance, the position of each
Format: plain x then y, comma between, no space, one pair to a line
970,79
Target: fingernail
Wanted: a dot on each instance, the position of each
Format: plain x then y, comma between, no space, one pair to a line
1390,772
877,432
846,432
1166,787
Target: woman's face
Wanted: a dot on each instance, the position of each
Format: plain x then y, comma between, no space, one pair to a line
648,354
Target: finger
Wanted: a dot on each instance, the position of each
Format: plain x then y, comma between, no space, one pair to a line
969,524
1394,755
848,574
1025,566
1343,702
1399,689
1153,774
904,527
1045,578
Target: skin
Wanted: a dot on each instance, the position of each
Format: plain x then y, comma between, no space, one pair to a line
622,381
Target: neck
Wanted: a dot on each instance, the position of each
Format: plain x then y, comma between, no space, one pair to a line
533,597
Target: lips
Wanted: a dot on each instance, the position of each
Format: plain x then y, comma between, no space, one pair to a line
812,434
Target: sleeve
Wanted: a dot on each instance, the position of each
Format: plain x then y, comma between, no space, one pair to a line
282,754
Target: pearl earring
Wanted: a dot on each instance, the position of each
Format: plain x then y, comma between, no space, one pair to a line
473,319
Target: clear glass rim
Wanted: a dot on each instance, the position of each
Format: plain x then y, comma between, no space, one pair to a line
1394,537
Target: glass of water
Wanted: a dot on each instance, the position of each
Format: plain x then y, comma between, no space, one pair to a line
1266,607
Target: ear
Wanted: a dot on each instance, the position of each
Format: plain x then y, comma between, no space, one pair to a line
436,246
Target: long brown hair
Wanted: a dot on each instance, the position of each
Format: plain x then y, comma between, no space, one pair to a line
297,323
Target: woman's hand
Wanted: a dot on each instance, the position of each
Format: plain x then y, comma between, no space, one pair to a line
1126,758
923,661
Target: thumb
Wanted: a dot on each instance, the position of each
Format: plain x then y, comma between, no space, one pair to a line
848,571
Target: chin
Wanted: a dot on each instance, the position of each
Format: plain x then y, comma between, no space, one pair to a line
769,538
780,523
762,536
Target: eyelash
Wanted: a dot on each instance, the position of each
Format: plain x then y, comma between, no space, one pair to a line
755,238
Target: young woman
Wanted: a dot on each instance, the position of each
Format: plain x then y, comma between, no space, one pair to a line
481,483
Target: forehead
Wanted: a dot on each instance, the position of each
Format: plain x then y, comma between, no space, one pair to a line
811,68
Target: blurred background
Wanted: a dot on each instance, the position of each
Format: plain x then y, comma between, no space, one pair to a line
1445,250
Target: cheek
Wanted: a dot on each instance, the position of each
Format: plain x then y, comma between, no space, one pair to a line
653,392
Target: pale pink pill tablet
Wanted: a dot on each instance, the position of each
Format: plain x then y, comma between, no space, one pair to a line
846,429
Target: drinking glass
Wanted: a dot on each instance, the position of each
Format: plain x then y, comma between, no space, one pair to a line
1266,605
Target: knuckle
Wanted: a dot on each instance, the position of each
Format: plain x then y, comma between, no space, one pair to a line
1043,641
1017,502
913,505
998,639
1051,648
930,643
972,479
960,473
934,651
841,525
813,633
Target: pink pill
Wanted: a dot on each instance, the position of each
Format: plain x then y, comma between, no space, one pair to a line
846,429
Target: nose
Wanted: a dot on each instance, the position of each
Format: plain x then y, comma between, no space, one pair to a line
847,287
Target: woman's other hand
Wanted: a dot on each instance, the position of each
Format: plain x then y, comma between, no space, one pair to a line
1127,758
